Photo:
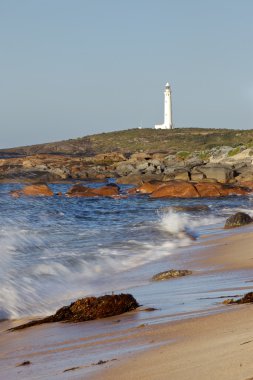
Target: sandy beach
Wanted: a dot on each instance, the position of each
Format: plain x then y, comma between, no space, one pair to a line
214,347
217,345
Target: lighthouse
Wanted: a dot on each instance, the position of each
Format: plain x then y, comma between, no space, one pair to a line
167,110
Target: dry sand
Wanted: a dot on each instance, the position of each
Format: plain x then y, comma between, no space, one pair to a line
217,347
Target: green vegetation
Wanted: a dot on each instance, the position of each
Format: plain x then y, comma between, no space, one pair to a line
183,155
146,140
234,151
204,155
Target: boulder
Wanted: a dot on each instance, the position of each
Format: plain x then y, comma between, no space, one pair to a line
216,189
79,191
135,157
206,189
124,169
139,179
178,189
89,308
172,273
182,175
84,191
237,220
39,190
106,191
245,175
149,187
219,173
196,177
247,184
247,298
131,179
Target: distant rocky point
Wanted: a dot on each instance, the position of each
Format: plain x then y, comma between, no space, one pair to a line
136,157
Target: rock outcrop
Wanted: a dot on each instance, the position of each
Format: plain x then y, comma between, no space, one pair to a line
78,190
237,220
183,189
225,165
89,308
179,189
247,298
39,190
172,273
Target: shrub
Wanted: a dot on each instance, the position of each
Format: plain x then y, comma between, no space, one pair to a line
183,155
234,151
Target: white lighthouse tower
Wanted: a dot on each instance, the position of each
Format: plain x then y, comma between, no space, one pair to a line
167,110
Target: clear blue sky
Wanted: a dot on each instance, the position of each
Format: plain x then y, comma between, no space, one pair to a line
70,68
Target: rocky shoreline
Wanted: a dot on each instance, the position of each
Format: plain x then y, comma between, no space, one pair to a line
222,164
222,171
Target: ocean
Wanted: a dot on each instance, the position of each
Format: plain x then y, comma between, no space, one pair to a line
57,249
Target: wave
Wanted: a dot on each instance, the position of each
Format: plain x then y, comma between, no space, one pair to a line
43,269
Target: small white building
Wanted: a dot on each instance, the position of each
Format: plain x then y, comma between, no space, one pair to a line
167,110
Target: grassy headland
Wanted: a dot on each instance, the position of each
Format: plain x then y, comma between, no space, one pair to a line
146,140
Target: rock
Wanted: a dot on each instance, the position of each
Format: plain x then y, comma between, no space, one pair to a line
155,166
149,187
172,273
177,189
39,190
206,189
219,173
139,179
125,168
79,191
196,177
182,175
89,308
136,157
106,191
131,179
108,158
26,362
216,189
142,166
84,191
247,298
245,175
237,220
247,184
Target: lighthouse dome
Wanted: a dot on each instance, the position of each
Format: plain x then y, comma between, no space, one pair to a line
167,85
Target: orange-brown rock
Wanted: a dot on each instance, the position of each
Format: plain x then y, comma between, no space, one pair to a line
247,184
77,191
40,190
106,191
207,189
178,189
149,187
217,189
233,190
84,191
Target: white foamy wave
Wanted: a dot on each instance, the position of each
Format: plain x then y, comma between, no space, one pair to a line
39,288
36,278
182,224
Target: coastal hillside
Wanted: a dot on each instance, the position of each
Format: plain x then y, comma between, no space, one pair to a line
137,140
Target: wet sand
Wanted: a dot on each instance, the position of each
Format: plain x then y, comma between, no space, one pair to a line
214,347
144,345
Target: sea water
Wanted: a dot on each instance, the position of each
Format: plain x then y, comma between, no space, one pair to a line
56,249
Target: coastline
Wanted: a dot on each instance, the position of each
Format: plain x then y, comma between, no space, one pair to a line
217,346
214,347
54,348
